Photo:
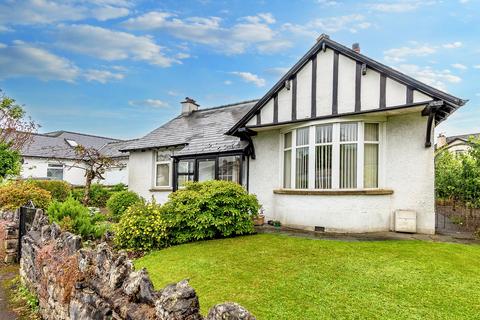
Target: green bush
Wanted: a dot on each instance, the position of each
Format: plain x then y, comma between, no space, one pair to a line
72,216
99,195
119,187
18,193
121,201
141,227
202,210
60,190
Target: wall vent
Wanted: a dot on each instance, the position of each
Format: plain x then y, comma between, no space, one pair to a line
319,229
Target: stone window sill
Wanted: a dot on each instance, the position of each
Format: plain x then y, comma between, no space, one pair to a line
160,189
365,192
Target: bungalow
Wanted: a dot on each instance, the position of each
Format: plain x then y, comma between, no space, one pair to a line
455,144
52,156
340,143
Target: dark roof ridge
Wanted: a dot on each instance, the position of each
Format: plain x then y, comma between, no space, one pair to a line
59,132
227,105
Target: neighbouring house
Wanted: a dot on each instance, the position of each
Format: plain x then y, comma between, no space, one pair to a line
52,156
340,143
455,144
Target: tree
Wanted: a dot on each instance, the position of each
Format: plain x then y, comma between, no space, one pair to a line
15,132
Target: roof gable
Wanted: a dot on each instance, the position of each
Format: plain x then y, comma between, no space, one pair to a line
333,80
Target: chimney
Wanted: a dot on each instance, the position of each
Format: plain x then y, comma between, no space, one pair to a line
441,140
188,106
356,47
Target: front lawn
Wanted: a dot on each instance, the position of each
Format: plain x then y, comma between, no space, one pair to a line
282,277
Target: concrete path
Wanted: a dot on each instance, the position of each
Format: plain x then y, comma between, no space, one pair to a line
5,313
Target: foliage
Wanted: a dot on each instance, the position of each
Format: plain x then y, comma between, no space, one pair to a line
283,277
203,210
142,227
121,201
72,216
22,293
9,161
60,190
18,193
458,176
119,187
98,195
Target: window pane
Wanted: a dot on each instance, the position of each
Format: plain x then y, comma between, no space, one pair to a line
163,175
301,173
186,166
371,131
229,168
370,172
55,171
323,167
348,131
287,169
348,165
288,140
302,136
206,170
184,178
323,133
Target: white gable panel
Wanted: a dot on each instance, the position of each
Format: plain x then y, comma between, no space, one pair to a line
396,93
266,114
252,122
420,96
370,90
324,82
304,92
346,84
284,105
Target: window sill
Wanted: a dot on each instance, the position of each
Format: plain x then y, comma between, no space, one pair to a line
306,192
161,189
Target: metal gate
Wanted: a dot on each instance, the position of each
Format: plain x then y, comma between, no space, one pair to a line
26,217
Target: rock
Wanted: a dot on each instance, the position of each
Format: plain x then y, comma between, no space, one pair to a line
86,304
55,230
69,242
45,233
84,259
178,301
119,271
139,287
229,311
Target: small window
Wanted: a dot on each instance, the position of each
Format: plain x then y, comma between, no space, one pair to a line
72,143
301,161
55,171
186,172
370,162
162,170
229,168
287,160
206,169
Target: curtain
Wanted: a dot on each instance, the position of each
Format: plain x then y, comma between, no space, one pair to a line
323,157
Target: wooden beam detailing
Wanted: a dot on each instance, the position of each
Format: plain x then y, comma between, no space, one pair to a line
275,108
259,119
409,98
371,192
383,91
314,86
358,87
335,84
430,111
294,98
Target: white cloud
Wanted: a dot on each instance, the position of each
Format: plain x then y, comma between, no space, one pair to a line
453,45
247,32
459,66
435,78
399,6
328,3
30,12
111,45
22,59
153,103
400,54
102,76
477,66
250,77
352,23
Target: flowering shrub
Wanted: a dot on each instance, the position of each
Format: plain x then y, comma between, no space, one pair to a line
121,201
60,190
18,193
142,227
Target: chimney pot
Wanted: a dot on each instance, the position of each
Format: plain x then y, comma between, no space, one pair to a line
189,105
356,47
441,140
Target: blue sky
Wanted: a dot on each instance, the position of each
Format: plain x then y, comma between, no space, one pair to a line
120,68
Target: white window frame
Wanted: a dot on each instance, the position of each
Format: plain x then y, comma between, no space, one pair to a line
56,166
335,152
155,168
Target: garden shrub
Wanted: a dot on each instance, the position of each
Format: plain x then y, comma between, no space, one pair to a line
99,195
72,216
118,187
60,190
142,227
18,193
121,201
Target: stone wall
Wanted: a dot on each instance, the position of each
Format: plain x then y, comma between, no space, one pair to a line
8,236
76,283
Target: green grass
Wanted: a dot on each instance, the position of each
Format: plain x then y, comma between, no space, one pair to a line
282,277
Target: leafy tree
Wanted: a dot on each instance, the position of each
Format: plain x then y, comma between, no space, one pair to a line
9,161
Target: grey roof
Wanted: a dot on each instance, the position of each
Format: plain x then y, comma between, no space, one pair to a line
202,131
54,145
463,137
112,149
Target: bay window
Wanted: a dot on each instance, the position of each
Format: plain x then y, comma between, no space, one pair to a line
332,156
185,172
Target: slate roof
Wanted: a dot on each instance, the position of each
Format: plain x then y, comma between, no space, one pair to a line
202,131
54,145
463,137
